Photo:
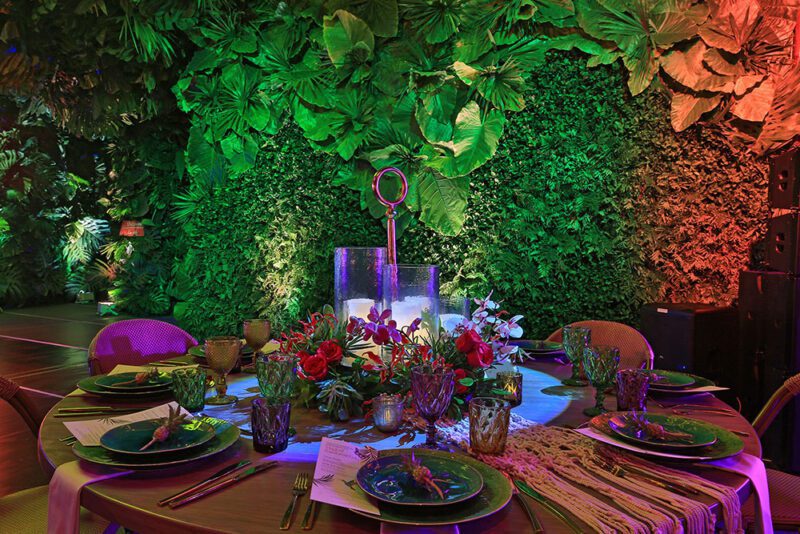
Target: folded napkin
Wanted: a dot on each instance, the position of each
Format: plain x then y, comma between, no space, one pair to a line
753,468
64,499
90,431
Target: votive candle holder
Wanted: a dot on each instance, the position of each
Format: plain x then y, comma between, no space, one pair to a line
511,382
387,412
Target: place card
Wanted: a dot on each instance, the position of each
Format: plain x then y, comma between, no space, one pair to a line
89,432
335,473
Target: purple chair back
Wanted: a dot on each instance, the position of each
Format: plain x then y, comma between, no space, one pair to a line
136,342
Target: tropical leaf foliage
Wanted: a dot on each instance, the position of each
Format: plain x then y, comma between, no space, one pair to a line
389,80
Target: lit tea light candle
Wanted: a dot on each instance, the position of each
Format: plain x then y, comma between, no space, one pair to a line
387,412
512,383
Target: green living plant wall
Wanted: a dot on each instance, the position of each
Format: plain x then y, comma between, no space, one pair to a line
427,85
591,207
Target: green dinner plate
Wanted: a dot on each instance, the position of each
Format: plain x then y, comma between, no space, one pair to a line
699,435
89,385
118,381
130,438
494,496
199,352
536,345
388,480
225,435
699,382
669,379
727,444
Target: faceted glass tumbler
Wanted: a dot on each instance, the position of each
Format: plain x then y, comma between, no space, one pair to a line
270,425
189,388
276,373
488,424
510,382
576,339
632,386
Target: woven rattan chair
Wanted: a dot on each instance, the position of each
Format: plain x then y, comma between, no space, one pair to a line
26,511
784,488
634,350
136,342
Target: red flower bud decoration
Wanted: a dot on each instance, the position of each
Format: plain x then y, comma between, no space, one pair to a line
313,368
467,341
481,355
331,351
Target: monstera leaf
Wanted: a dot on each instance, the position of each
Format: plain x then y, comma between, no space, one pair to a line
443,201
782,123
346,34
641,30
688,68
204,162
476,137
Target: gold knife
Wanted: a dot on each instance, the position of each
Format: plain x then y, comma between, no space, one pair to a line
213,478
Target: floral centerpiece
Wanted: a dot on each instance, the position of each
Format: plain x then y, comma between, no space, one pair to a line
340,374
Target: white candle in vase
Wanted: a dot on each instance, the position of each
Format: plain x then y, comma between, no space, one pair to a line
406,311
450,321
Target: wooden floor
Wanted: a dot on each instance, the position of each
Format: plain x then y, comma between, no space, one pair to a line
43,348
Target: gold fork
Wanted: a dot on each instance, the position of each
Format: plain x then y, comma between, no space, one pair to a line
299,488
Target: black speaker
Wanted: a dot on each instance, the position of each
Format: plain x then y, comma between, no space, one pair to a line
696,338
784,178
782,243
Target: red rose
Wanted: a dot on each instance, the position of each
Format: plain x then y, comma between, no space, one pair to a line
481,355
460,388
331,351
314,368
467,341
302,355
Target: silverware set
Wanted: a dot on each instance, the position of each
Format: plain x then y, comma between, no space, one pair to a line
222,479
92,410
299,488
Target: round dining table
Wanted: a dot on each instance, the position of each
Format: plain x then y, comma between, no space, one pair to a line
257,504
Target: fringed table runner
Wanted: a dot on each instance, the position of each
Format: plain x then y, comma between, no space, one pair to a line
572,470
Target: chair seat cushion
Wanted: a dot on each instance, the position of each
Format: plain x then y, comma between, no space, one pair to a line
784,498
25,512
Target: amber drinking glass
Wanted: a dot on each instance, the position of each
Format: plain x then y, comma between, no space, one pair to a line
488,424
431,390
601,364
256,333
222,354
576,339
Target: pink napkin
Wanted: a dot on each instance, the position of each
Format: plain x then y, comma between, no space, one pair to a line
64,500
390,528
753,468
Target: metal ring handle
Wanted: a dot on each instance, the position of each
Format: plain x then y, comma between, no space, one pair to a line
376,180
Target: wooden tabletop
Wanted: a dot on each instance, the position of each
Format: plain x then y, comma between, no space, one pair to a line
257,504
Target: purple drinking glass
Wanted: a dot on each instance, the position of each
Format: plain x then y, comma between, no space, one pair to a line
632,386
431,391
